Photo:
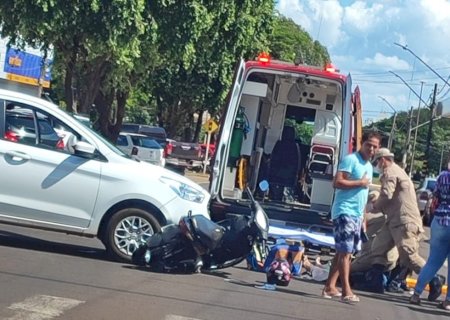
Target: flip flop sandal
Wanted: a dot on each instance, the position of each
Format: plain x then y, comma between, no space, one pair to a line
350,299
327,295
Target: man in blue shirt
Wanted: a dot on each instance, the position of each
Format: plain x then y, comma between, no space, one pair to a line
351,182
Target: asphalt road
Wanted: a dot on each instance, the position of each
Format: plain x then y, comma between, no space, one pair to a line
45,275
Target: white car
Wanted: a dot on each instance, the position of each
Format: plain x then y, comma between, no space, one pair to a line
142,147
424,197
57,174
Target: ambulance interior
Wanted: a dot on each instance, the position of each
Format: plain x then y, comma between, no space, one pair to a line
287,131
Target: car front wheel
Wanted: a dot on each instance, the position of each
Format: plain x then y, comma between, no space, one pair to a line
127,230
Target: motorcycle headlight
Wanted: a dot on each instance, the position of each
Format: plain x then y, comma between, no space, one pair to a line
261,219
183,190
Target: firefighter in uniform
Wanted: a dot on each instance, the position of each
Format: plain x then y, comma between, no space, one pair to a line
403,227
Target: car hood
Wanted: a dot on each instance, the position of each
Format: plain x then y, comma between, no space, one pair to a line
148,171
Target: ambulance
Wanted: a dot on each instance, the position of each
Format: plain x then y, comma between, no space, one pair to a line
283,132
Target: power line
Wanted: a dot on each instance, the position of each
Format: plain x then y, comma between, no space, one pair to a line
398,71
389,82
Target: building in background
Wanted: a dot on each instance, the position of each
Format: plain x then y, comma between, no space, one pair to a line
23,70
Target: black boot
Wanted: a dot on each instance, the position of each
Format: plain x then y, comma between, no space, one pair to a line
435,287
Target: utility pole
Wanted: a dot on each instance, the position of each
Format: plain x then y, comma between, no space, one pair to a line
391,135
408,139
415,132
442,156
430,129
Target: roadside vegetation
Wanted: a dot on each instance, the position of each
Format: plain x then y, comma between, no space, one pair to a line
152,62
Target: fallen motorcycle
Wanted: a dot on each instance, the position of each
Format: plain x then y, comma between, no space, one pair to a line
198,243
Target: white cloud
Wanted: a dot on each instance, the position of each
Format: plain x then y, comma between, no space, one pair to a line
437,13
321,19
293,10
385,63
360,37
362,18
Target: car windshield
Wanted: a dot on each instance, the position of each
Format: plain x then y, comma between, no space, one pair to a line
431,184
106,142
110,145
82,119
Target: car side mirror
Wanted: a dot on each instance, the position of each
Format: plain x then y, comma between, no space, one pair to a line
84,149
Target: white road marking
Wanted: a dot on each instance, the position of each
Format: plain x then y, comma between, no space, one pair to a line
175,317
41,307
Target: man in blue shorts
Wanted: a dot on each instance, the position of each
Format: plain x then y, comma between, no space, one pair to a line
351,182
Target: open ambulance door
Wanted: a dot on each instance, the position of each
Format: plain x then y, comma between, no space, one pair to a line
347,120
357,119
226,129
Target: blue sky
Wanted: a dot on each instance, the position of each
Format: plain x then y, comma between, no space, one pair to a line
360,37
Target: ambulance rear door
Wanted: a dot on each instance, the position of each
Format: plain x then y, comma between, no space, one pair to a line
226,127
347,118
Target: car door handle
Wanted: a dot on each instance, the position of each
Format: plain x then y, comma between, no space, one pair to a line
18,156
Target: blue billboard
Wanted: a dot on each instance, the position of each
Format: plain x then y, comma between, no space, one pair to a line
27,68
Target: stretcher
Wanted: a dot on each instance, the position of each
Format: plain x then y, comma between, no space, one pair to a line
321,241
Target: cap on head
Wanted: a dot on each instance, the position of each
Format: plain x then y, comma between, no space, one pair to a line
383,152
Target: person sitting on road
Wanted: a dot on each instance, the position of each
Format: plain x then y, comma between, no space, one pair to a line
283,261
361,267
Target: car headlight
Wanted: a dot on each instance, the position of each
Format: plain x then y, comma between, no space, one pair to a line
183,190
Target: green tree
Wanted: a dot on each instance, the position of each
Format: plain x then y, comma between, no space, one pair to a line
439,140
199,44
289,41
95,42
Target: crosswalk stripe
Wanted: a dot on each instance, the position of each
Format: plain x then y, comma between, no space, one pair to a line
175,317
41,307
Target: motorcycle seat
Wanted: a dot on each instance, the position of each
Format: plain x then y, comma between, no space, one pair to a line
206,231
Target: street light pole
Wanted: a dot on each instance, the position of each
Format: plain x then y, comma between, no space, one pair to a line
391,135
405,47
430,127
412,90
408,139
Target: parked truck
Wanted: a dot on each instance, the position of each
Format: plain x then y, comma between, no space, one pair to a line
185,155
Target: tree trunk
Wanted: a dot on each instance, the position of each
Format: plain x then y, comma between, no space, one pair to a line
198,125
68,80
93,84
114,130
68,92
103,105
